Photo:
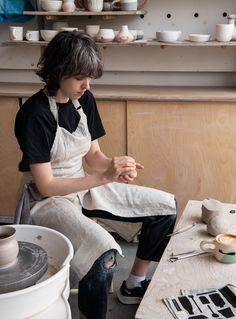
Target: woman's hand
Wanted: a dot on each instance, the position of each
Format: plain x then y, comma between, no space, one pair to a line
123,169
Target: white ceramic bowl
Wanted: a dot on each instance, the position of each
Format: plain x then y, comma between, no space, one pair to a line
168,35
105,35
51,5
92,30
199,37
47,35
68,29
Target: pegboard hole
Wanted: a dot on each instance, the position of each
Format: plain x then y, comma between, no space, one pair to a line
196,15
224,14
168,15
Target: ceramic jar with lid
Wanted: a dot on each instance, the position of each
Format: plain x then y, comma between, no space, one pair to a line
124,36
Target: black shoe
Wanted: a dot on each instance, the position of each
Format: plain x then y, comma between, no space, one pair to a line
132,296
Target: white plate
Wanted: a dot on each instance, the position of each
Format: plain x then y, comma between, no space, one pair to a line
199,37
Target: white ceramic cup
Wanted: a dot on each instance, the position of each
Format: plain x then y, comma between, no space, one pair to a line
224,32
32,35
92,30
16,33
223,247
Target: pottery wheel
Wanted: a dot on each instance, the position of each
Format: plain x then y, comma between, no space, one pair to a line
30,266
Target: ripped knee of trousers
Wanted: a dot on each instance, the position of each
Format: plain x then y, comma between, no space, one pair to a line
109,259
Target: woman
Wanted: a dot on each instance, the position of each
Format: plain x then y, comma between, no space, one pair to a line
58,127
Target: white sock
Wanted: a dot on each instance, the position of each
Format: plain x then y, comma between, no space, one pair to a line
134,281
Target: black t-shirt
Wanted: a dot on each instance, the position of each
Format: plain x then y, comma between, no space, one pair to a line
35,125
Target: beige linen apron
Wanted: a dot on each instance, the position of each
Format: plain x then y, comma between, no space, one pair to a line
64,213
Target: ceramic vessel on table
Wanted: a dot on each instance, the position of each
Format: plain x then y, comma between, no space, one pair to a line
224,32
105,35
68,7
168,35
94,5
51,5
124,36
32,35
48,298
199,37
69,29
16,33
59,24
47,35
9,247
140,34
231,20
92,30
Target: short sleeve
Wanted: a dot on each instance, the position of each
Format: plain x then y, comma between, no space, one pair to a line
89,106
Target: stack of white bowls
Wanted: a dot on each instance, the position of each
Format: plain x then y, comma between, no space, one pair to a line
56,5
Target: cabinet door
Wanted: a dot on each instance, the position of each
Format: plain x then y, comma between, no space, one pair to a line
10,156
187,148
113,115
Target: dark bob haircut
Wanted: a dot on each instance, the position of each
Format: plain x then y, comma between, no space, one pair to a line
69,54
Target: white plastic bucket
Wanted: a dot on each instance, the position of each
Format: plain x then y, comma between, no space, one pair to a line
47,299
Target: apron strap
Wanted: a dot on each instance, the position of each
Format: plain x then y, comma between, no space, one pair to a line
53,107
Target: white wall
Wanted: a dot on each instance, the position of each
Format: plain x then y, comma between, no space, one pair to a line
145,65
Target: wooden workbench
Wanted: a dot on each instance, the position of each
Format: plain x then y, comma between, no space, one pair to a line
198,272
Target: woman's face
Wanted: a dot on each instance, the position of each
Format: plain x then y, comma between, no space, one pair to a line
73,87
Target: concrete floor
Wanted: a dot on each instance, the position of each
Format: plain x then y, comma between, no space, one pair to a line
117,310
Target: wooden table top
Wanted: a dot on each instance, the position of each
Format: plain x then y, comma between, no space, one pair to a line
192,273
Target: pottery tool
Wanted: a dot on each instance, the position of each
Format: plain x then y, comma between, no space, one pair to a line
181,230
189,254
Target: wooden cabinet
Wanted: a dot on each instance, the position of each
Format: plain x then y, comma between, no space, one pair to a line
187,148
10,156
113,114
186,144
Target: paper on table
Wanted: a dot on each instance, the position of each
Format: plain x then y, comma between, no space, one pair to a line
205,303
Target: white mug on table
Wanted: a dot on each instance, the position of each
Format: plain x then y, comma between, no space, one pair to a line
16,33
32,35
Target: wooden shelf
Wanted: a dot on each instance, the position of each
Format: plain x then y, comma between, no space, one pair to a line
85,13
139,43
135,92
